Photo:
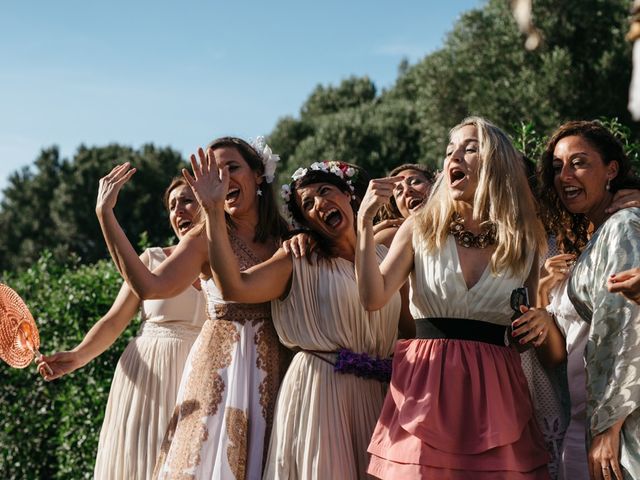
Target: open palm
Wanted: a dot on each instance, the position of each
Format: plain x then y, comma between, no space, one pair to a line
210,185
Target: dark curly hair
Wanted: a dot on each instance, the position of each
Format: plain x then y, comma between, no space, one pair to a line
359,181
572,229
390,211
270,222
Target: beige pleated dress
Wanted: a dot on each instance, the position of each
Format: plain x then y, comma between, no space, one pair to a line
324,420
145,383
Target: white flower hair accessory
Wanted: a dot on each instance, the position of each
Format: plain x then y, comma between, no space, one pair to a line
342,170
269,159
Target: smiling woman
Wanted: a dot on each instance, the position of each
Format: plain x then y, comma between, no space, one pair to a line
582,167
146,379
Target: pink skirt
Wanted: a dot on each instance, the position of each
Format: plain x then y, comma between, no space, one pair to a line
457,409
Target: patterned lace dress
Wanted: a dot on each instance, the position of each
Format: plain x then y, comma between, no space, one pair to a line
145,383
224,412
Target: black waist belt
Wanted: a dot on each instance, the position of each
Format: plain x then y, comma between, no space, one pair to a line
460,329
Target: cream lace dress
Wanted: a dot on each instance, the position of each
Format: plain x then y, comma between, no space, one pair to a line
145,383
222,419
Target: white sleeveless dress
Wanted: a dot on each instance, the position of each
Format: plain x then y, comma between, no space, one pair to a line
145,383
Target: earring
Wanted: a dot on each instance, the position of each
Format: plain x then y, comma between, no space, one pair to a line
608,185
259,192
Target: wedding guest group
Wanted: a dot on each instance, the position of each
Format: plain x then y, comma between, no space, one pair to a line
361,328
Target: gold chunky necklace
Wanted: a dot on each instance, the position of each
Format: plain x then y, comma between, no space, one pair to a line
467,239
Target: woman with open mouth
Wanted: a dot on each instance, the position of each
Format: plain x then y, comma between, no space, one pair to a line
332,393
583,166
458,405
224,407
409,194
146,379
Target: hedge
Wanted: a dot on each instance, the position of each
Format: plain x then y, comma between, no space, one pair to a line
50,430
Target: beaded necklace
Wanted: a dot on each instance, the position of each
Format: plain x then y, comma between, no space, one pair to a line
465,238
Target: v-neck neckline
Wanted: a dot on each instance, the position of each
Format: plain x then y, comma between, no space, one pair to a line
454,247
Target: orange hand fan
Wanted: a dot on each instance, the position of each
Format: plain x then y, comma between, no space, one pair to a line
19,338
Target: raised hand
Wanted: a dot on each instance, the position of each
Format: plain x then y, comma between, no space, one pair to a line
59,363
378,193
110,185
556,269
209,184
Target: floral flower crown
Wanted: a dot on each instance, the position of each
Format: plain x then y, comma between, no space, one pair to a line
269,159
342,170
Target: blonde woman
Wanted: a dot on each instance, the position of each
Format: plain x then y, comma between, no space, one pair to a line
458,405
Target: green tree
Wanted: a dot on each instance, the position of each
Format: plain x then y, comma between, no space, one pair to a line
52,206
582,70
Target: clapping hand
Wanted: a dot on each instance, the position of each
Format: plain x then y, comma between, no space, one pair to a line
210,185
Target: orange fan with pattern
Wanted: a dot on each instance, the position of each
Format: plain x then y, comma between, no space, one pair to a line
19,338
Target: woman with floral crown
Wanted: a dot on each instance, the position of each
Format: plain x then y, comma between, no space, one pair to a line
332,393
224,410
458,405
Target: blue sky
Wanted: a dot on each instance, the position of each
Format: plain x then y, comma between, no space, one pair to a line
181,73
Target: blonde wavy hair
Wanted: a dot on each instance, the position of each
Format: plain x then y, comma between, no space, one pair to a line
502,196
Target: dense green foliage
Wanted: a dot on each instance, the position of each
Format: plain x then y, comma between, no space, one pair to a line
50,430
582,71
52,205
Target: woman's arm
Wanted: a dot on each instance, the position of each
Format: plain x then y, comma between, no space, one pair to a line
263,282
101,336
376,284
604,454
538,327
173,275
